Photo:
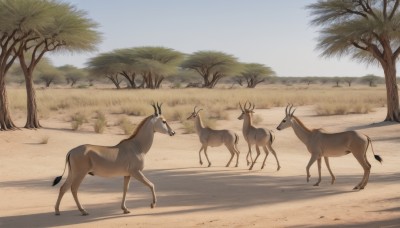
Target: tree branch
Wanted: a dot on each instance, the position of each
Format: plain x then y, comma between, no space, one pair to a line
396,5
396,53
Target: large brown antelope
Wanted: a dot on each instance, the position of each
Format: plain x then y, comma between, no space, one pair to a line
321,144
256,136
124,159
214,138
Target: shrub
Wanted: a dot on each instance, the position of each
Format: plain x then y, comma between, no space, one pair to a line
126,125
101,123
77,120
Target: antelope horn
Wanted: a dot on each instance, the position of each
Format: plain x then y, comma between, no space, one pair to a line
253,107
155,109
198,111
286,110
194,110
293,112
159,108
245,104
241,107
290,108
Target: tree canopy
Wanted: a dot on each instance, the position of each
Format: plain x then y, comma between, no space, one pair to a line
367,31
212,66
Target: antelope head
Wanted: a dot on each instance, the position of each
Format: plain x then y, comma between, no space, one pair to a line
160,124
246,110
287,121
194,114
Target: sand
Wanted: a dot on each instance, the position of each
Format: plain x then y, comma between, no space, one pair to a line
190,195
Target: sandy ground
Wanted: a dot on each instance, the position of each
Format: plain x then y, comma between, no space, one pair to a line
190,195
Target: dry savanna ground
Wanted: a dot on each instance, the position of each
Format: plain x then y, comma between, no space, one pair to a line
191,195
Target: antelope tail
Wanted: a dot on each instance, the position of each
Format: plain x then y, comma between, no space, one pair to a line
377,157
58,179
272,138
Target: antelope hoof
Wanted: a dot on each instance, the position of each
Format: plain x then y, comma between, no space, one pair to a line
278,168
57,213
308,178
84,213
316,184
201,163
209,164
126,211
262,167
153,205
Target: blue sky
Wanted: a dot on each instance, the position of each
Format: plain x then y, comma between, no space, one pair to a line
275,33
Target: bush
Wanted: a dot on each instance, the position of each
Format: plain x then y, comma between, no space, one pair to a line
101,123
126,125
77,120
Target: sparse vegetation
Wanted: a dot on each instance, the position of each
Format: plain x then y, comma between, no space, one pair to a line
178,103
126,125
44,139
77,120
101,122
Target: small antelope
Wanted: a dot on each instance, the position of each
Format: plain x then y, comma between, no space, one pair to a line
321,144
256,136
124,159
214,138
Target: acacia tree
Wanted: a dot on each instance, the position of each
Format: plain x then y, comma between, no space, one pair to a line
156,63
255,73
13,32
106,65
72,74
128,66
64,28
367,30
212,66
349,80
371,79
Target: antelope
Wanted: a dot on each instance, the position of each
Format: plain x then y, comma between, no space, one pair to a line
256,136
214,138
321,144
124,159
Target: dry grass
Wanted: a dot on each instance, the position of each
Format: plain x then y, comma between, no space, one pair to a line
126,125
101,122
179,103
44,139
77,120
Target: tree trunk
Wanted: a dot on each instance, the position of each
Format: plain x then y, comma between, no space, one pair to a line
32,119
5,118
392,95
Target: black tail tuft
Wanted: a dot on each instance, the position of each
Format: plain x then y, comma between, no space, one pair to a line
378,158
57,180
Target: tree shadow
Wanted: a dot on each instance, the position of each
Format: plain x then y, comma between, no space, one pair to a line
218,190
373,125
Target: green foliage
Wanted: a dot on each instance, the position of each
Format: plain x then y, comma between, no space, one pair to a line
212,66
255,73
360,29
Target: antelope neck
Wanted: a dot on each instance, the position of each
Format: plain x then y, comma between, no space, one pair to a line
144,138
301,131
199,123
247,122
